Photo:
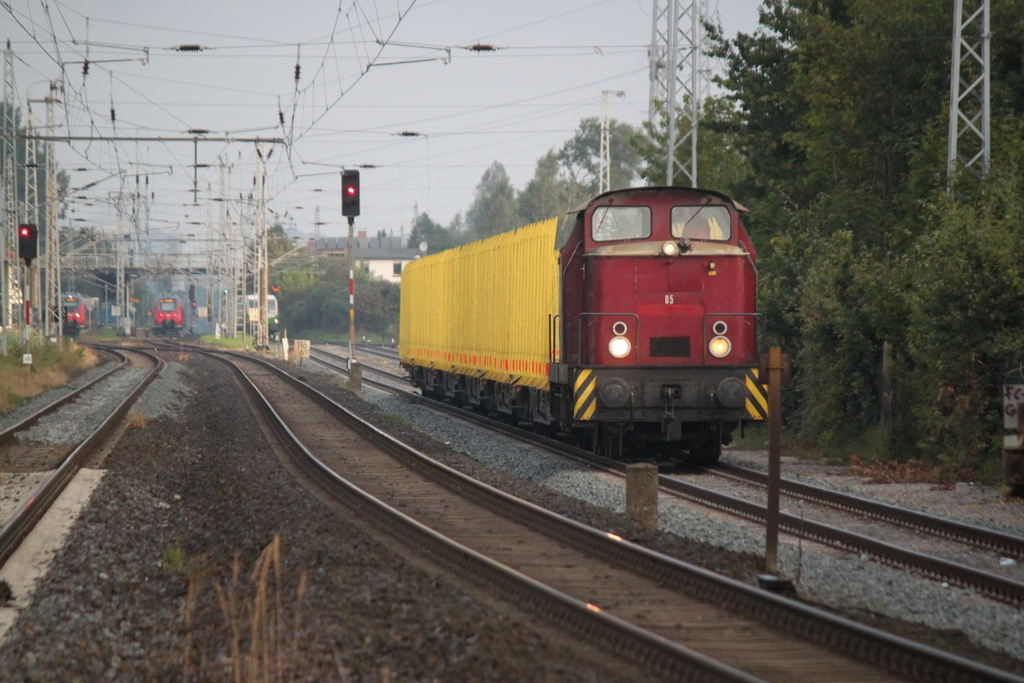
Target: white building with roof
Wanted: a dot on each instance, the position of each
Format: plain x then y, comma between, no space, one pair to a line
384,255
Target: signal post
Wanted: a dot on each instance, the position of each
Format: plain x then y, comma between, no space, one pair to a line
28,249
350,209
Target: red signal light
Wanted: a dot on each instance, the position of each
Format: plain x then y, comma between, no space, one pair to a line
28,242
350,193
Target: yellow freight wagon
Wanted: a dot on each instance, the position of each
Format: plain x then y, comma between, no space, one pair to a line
485,310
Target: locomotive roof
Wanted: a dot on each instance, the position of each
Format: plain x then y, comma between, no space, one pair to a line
631,190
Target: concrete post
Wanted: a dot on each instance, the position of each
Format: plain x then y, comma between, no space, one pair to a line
355,376
642,494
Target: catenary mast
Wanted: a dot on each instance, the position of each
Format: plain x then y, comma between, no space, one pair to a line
970,131
679,81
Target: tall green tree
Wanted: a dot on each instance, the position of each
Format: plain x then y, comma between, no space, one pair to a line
720,163
581,158
438,238
546,194
494,207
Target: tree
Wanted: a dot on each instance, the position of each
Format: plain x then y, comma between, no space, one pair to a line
546,195
720,163
494,204
437,238
581,158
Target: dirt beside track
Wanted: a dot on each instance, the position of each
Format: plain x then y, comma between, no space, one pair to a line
181,500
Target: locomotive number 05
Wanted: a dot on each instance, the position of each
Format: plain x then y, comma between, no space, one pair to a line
669,299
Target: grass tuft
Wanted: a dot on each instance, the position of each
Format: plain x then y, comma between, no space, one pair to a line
136,420
259,647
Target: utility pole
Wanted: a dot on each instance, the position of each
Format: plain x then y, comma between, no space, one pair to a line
223,281
52,308
604,170
9,227
30,286
262,338
123,323
969,91
677,68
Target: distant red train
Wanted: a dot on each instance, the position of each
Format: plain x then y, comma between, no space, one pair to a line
168,315
76,313
636,328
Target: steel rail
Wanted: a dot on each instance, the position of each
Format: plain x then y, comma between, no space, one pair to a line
655,653
8,434
25,519
992,585
892,653
921,521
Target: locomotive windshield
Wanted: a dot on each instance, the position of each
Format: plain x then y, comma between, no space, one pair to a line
621,223
168,305
701,223
70,303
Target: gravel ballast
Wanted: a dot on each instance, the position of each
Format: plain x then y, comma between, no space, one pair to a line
850,584
133,594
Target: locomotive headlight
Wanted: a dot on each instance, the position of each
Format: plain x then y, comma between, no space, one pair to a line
670,248
619,347
720,347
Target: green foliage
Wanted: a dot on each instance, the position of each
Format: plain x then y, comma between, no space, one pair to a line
965,327
437,237
580,156
840,110
720,163
546,195
324,305
494,207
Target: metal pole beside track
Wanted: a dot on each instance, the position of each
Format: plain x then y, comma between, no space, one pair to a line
351,292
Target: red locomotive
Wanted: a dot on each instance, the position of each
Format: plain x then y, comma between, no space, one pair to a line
76,313
168,315
637,330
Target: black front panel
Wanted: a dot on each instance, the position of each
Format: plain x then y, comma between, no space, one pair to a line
670,347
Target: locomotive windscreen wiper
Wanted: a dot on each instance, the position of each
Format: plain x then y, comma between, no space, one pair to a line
707,200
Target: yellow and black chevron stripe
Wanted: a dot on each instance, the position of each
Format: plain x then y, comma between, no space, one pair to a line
757,396
586,397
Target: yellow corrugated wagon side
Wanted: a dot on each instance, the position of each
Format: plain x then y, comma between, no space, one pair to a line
485,309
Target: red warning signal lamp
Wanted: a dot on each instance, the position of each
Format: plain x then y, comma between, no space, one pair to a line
350,193
28,242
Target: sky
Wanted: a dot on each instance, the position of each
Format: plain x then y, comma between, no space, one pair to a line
368,71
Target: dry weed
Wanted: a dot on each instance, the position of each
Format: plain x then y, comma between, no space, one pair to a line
136,420
260,648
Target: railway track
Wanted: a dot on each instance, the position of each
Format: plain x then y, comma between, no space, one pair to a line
615,594
988,539
19,450
992,585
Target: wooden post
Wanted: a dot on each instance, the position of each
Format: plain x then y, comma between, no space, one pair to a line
642,494
775,367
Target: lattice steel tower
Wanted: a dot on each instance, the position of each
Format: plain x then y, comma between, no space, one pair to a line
8,236
970,133
679,79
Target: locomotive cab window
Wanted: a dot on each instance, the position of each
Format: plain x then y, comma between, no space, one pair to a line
621,223
701,223
168,305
